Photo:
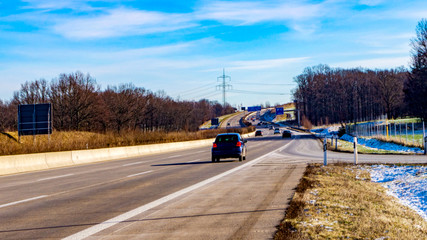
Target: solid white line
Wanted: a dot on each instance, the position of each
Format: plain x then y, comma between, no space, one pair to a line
132,213
133,175
174,156
194,161
130,164
50,178
22,201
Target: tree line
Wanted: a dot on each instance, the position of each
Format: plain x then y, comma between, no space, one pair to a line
327,95
79,104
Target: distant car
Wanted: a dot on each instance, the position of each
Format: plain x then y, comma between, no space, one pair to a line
271,128
276,131
286,134
258,133
229,145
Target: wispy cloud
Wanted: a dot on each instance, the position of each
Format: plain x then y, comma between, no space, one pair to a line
105,55
265,63
247,13
51,5
121,22
375,63
371,2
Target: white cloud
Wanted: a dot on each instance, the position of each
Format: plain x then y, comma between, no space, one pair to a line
373,63
121,22
50,5
246,13
371,2
265,64
103,55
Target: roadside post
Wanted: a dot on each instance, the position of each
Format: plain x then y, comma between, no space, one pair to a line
325,148
336,142
355,150
425,145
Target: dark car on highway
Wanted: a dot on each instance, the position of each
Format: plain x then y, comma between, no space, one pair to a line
258,133
286,134
229,145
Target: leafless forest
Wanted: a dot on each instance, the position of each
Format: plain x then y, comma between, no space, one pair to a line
334,95
79,104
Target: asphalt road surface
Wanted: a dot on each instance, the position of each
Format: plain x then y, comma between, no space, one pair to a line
233,122
180,195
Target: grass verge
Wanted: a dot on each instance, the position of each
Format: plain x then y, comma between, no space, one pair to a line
66,141
340,202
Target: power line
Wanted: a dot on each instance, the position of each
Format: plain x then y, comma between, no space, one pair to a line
268,84
257,92
196,89
206,95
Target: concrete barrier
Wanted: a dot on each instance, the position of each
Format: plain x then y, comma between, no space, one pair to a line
59,159
7,164
39,161
31,162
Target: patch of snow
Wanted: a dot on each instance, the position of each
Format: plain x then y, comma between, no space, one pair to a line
377,144
407,183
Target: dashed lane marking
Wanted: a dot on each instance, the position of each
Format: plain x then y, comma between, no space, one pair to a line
50,178
22,201
141,173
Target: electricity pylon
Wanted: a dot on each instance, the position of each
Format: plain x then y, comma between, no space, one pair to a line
224,86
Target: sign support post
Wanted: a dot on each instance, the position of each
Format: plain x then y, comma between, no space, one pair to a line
355,150
325,149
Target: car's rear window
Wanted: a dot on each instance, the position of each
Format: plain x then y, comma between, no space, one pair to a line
226,138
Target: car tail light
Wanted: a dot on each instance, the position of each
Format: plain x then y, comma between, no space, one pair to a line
214,145
238,144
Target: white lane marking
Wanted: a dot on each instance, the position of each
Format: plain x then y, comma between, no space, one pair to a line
141,173
22,201
130,164
194,161
174,156
132,213
199,152
50,178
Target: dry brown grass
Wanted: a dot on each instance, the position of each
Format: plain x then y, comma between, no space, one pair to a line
65,141
340,202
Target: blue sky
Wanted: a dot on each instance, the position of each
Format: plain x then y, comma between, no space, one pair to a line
181,47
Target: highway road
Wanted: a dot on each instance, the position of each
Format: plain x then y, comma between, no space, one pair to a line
233,122
180,195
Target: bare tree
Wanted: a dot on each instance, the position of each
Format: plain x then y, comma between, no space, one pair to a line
75,98
33,92
416,85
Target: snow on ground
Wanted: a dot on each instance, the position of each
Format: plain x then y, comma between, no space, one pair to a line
367,142
375,143
407,183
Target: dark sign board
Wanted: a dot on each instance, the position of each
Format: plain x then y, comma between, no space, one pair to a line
214,121
279,111
34,119
254,109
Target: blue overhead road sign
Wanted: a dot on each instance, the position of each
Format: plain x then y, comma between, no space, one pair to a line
254,108
279,111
